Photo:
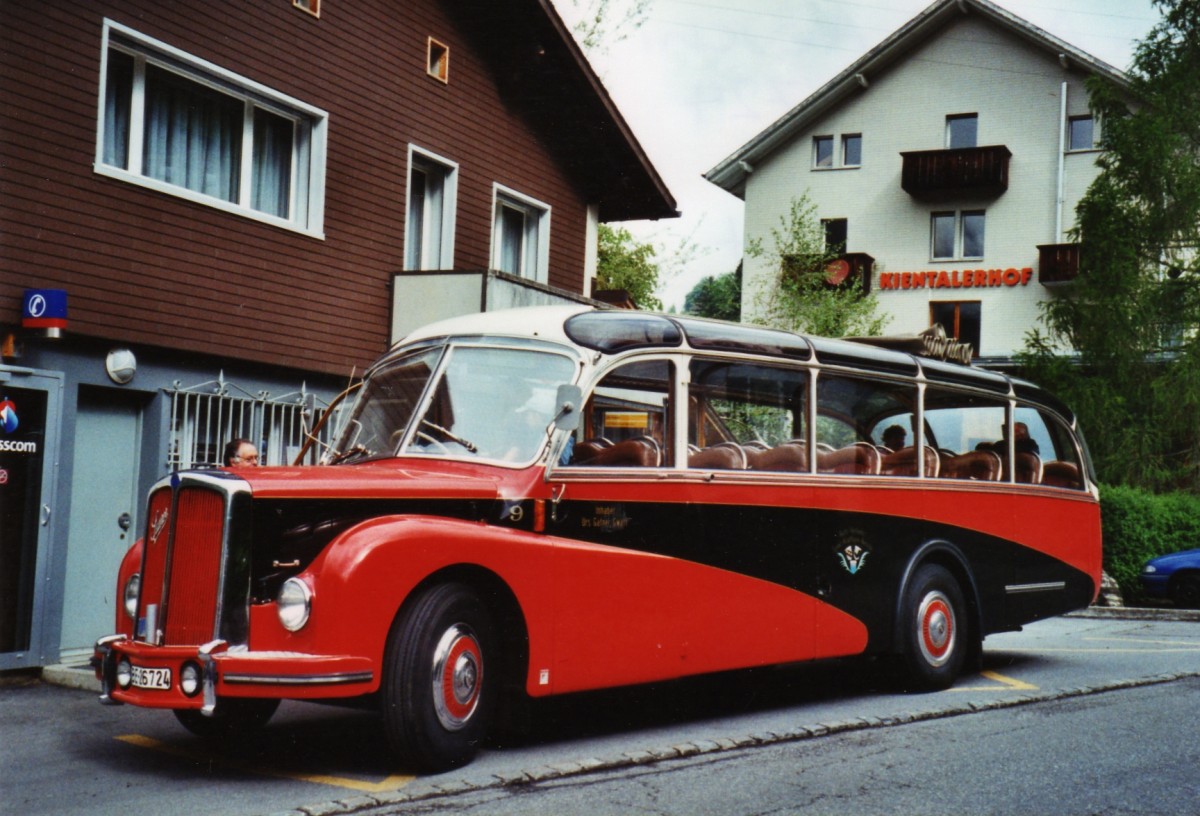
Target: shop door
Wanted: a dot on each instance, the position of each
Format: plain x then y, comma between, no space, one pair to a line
30,408
103,515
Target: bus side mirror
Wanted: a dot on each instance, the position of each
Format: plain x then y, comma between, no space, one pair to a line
568,401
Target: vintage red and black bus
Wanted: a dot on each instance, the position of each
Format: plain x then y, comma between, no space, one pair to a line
550,500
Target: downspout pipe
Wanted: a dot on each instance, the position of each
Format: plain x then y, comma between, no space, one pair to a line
1062,155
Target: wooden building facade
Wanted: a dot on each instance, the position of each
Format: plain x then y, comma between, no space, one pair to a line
226,193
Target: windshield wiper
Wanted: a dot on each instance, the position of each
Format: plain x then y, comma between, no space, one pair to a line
450,435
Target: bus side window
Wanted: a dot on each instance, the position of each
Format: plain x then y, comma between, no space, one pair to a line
1054,444
743,416
627,419
967,431
853,416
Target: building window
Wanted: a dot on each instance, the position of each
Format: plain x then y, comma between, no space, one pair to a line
521,236
962,130
852,150
181,126
1081,133
956,235
823,151
835,235
961,320
429,229
437,60
313,7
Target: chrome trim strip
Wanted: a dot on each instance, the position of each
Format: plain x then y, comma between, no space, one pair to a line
1050,586
299,679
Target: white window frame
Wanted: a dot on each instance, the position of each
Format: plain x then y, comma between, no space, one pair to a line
438,218
1071,120
817,142
307,188
959,117
959,220
534,265
846,137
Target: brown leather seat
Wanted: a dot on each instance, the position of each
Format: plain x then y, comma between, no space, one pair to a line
1061,474
789,456
981,465
861,457
1029,468
640,452
721,456
588,449
904,462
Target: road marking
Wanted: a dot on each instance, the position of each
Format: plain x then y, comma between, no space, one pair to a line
1006,684
391,783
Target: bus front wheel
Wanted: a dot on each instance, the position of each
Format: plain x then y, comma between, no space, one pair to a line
934,630
439,689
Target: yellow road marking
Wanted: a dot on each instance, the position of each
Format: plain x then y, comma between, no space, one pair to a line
391,783
1006,684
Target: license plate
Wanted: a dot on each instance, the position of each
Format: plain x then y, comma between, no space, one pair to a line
151,678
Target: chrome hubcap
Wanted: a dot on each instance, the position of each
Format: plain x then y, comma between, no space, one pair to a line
457,676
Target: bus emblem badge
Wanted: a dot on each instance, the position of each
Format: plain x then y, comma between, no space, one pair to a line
852,557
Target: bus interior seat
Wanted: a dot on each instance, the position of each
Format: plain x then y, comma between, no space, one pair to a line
721,456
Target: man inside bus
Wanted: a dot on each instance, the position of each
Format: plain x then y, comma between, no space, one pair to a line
894,436
1022,441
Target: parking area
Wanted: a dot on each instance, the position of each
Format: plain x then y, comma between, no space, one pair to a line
64,753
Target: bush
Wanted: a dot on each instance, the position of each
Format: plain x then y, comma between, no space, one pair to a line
1139,525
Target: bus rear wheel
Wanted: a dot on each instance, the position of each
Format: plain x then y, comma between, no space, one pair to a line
934,631
438,690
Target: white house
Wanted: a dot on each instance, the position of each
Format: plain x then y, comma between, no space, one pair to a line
948,160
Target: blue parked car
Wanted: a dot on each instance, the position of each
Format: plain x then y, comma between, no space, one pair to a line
1175,576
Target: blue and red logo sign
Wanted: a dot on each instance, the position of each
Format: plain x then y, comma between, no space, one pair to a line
8,415
44,309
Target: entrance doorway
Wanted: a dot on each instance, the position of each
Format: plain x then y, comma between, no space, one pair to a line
104,512
29,419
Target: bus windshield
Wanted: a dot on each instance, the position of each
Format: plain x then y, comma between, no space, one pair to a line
457,401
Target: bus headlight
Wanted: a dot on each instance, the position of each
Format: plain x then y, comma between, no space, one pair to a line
124,673
294,604
133,588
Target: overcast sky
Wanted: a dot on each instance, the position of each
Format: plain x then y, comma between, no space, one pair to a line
701,77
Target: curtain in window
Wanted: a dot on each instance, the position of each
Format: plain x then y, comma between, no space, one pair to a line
272,179
118,89
193,135
415,235
512,235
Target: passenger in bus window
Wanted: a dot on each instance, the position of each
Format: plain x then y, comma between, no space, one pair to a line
1022,441
894,437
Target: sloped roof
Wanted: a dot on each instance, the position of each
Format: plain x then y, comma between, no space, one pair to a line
545,76
731,173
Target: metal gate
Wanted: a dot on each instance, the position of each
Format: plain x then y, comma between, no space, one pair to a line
205,417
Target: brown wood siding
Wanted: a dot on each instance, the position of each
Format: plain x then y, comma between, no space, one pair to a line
143,267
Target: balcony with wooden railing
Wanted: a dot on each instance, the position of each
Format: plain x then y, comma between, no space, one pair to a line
975,170
1057,263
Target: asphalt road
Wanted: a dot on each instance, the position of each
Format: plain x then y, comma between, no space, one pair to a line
63,753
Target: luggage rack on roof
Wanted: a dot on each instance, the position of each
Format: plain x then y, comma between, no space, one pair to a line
932,343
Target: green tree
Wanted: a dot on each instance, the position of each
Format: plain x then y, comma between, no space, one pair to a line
623,263
798,296
717,296
1133,311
